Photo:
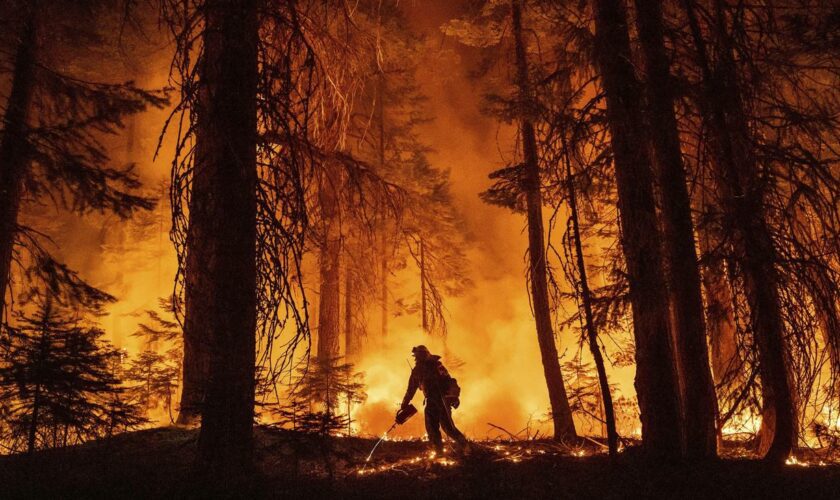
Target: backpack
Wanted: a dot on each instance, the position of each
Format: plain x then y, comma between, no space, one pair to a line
452,393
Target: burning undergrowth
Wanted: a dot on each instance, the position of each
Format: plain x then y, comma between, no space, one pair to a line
429,463
291,464
349,457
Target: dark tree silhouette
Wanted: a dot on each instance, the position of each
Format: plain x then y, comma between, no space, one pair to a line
322,397
197,288
519,188
657,384
581,284
737,178
564,427
53,124
224,201
156,371
154,379
699,403
59,382
12,149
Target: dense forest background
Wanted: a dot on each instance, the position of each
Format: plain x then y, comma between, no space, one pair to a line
616,221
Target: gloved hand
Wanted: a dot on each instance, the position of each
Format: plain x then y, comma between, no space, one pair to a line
405,412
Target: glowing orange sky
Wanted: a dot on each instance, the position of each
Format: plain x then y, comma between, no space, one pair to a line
491,327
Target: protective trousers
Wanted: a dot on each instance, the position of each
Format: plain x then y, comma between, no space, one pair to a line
439,415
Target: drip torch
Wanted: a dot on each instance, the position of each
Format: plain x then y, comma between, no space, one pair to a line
405,413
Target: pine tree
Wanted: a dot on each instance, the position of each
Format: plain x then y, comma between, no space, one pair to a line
58,378
217,244
54,121
224,200
322,398
417,228
581,284
520,187
699,403
656,377
294,145
560,410
736,173
156,371
435,238
155,379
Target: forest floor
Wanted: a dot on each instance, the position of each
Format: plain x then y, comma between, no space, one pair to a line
158,463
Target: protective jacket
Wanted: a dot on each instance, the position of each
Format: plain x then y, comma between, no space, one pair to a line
431,377
441,391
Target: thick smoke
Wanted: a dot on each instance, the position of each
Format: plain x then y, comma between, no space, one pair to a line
491,347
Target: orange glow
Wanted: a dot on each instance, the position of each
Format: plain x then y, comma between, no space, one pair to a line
491,347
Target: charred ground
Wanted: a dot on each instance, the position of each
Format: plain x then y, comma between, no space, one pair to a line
158,463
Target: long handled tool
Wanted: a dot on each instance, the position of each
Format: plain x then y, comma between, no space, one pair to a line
402,417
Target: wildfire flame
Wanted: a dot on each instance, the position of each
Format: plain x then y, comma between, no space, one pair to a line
512,452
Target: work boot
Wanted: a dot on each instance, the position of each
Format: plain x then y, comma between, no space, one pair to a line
464,449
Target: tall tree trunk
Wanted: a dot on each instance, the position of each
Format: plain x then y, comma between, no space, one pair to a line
656,378
13,148
227,125
330,280
720,317
561,412
198,286
589,322
383,285
699,402
353,328
349,341
383,249
423,304
737,176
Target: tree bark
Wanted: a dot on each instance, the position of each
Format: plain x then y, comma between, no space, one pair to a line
561,412
13,148
423,304
330,280
656,378
353,330
227,125
737,175
699,402
383,250
720,318
383,284
198,288
589,322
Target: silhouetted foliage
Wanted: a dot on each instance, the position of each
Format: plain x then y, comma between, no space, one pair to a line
155,372
55,122
322,398
59,382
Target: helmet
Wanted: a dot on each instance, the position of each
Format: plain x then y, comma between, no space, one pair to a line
420,350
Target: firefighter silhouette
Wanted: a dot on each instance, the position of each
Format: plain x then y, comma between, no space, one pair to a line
442,394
